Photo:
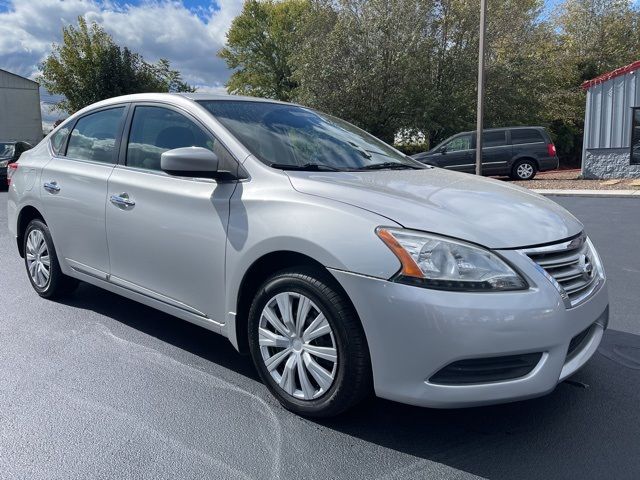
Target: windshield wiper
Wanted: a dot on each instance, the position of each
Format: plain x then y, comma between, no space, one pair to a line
390,165
311,167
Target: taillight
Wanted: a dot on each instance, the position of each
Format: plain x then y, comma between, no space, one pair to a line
11,169
551,148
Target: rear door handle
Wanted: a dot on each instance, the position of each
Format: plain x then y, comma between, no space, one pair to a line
52,187
122,200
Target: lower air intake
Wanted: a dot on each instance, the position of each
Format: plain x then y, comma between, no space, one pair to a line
486,370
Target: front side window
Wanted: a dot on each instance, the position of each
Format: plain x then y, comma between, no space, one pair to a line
94,136
526,135
289,136
494,139
460,143
154,130
635,137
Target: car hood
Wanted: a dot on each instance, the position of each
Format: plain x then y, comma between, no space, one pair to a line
477,209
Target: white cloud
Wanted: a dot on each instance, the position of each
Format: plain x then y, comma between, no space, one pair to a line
156,29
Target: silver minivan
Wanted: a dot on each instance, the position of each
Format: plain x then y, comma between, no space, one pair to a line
341,265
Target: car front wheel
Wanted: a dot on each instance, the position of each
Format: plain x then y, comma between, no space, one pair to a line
41,262
308,344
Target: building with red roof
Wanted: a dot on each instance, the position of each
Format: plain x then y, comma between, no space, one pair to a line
611,147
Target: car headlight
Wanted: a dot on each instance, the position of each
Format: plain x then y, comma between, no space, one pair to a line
4,163
446,264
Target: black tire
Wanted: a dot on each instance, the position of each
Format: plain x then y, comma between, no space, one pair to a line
527,172
352,381
58,284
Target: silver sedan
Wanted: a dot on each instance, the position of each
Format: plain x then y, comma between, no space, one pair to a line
342,266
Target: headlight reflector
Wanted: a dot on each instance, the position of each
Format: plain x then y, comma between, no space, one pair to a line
446,264
4,163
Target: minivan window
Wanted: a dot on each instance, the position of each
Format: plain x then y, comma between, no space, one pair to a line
463,142
525,135
154,130
94,136
289,135
494,139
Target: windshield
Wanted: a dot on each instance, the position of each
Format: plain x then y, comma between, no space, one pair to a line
289,136
6,150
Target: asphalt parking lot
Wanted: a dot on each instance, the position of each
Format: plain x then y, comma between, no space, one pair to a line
98,386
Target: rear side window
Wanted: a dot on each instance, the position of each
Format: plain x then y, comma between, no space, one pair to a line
94,136
59,139
494,139
526,135
154,130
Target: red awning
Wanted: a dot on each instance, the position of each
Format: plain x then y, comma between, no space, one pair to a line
609,75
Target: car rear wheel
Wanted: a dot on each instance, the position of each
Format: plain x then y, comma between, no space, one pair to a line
524,170
308,344
41,262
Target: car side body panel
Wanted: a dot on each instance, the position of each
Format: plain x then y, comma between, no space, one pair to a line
267,215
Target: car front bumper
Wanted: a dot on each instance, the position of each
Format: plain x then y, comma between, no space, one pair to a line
414,332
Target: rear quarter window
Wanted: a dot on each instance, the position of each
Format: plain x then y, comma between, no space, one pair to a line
59,140
526,135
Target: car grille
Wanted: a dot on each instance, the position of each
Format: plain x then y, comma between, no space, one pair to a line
571,265
485,370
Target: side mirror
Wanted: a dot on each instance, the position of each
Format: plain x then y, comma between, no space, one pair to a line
190,162
443,149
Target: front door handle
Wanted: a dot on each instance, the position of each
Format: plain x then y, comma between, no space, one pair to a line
52,187
122,200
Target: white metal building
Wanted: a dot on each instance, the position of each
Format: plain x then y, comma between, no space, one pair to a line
20,117
611,147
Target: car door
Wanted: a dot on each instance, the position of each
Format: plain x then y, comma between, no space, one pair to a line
457,154
74,188
167,234
496,152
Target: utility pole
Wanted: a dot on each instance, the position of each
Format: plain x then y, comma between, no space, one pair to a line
480,118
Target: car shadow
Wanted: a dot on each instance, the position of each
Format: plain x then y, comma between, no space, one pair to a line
167,328
589,427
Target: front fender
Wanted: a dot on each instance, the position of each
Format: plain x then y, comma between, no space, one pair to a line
278,219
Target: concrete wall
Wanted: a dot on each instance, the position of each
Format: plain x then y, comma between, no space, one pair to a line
609,163
607,127
20,117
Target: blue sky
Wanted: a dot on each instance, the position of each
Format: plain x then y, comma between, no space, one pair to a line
188,33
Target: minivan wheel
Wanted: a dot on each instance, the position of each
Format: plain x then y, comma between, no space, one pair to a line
308,344
524,170
41,262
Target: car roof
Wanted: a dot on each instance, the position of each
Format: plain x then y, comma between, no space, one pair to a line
142,97
520,127
173,98
225,96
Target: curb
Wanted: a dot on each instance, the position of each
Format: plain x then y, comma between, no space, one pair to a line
589,193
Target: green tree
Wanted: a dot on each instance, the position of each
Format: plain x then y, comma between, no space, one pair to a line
367,61
89,66
590,37
409,67
259,46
